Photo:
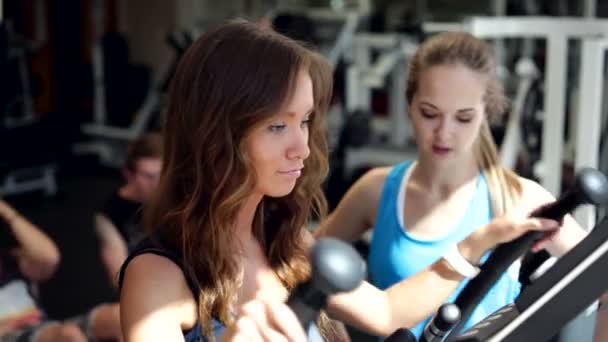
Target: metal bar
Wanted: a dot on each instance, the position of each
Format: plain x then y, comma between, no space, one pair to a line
553,107
535,26
589,115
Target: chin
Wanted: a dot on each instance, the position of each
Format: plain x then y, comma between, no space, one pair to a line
278,194
280,191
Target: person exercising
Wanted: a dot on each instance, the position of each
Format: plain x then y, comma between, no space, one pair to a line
419,209
245,157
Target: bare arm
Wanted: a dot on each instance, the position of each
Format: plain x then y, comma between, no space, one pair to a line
37,255
369,308
155,302
416,298
357,210
112,246
405,304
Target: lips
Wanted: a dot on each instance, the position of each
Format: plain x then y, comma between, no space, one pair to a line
293,172
441,149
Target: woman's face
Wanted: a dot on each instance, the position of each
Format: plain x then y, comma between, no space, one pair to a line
278,147
447,111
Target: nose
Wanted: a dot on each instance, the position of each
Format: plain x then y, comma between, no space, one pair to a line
298,148
442,130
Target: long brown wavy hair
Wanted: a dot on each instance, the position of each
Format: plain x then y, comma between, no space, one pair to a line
231,79
465,49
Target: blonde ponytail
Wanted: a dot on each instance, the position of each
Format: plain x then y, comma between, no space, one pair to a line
503,184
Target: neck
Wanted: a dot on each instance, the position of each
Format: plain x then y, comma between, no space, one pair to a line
244,220
446,178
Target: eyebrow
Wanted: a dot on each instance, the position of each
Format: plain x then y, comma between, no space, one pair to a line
436,108
307,113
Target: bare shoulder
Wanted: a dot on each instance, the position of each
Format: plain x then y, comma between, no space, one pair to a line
533,195
155,287
377,175
149,273
155,268
373,180
533,189
356,212
367,191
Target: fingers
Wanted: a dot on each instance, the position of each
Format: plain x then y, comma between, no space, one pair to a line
545,224
539,225
508,228
247,330
281,316
542,243
262,320
257,313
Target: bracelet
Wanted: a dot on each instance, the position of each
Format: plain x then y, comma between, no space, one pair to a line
459,263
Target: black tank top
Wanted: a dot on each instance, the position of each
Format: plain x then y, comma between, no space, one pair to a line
157,247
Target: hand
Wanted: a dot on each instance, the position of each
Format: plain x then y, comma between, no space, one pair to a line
505,229
265,320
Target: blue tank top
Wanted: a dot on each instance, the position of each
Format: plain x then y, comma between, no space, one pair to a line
395,254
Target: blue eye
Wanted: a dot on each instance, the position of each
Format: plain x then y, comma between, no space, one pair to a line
276,127
306,122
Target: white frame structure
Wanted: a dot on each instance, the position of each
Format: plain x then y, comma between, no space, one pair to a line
390,70
362,76
590,119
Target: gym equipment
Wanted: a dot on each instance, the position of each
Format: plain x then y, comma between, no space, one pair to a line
109,140
591,187
442,324
401,335
390,138
588,136
554,298
336,267
438,328
565,290
16,100
25,165
362,76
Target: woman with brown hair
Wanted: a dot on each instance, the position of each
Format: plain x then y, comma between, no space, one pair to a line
421,209
245,155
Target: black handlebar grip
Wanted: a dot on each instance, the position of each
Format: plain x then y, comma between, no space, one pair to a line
336,267
401,335
440,326
590,187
